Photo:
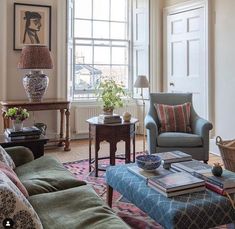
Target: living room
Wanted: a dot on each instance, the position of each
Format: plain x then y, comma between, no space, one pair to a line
132,40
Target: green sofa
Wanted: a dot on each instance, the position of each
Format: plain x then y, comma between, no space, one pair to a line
60,200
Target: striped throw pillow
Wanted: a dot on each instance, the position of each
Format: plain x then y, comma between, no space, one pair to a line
174,118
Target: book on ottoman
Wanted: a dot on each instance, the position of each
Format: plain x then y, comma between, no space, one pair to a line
174,156
148,174
176,184
226,181
191,166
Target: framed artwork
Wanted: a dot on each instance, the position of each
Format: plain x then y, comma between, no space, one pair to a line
32,25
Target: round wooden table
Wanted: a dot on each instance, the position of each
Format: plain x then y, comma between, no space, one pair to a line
112,133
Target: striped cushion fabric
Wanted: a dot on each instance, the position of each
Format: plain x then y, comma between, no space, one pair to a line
174,118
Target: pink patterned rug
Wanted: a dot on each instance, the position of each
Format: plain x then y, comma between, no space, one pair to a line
132,215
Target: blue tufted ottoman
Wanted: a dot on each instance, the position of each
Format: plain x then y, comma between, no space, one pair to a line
191,211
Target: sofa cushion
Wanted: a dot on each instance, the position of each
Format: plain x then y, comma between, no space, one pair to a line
78,207
14,206
46,174
172,139
174,118
5,158
13,177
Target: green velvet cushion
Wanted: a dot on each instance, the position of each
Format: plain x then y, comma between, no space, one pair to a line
46,174
78,207
20,154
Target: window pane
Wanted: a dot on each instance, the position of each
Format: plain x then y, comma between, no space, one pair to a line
82,9
118,30
82,28
120,74
101,55
87,77
119,55
105,69
118,10
100,29
83,55
101,9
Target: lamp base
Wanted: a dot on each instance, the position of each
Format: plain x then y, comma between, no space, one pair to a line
35,84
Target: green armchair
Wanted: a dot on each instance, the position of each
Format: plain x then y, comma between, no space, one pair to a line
195,143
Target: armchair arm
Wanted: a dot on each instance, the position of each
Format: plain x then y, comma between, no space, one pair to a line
20,155
201,126
152,133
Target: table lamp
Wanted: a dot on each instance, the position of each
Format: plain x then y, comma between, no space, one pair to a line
142,82
35,58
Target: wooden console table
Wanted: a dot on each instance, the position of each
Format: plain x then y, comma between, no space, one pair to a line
47,104
112,133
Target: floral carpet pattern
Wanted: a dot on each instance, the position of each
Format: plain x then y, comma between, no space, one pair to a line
132,215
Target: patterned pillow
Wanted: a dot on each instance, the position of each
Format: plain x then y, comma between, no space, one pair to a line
13,177
13,205
5,158
174,118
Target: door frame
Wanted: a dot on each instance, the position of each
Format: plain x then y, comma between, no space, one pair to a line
179,8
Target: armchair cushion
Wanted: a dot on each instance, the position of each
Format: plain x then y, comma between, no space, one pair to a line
173,139
174,118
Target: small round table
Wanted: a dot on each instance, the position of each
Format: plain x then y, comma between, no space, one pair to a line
112,133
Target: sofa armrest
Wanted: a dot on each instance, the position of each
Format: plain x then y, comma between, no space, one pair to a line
201,127
152,133
20,154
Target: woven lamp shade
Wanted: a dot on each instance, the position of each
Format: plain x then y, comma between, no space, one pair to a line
141,82
35,57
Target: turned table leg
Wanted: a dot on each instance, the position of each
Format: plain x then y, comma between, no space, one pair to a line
61,126
67,137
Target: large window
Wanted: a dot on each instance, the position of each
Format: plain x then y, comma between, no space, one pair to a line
103,44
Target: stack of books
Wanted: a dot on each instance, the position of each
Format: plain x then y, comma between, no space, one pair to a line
109,119
191,167
176,184
148,174
27,133
172,157
222,185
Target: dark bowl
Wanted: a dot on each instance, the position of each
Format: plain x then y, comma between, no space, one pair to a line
148,162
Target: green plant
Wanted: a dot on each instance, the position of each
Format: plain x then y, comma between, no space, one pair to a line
17,113
110,94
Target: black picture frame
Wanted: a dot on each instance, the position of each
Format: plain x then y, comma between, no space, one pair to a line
32,25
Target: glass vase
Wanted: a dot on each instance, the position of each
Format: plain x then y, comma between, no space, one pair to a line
17,125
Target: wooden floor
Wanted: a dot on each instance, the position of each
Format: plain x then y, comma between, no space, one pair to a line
79,151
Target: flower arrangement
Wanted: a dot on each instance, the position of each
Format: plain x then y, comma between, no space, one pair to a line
110,94
18,114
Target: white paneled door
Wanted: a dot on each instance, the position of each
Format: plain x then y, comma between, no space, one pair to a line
186,59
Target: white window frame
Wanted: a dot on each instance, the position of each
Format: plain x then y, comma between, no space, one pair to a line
132,67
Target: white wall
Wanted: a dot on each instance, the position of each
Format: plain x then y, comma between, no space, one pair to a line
11,86
224,45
